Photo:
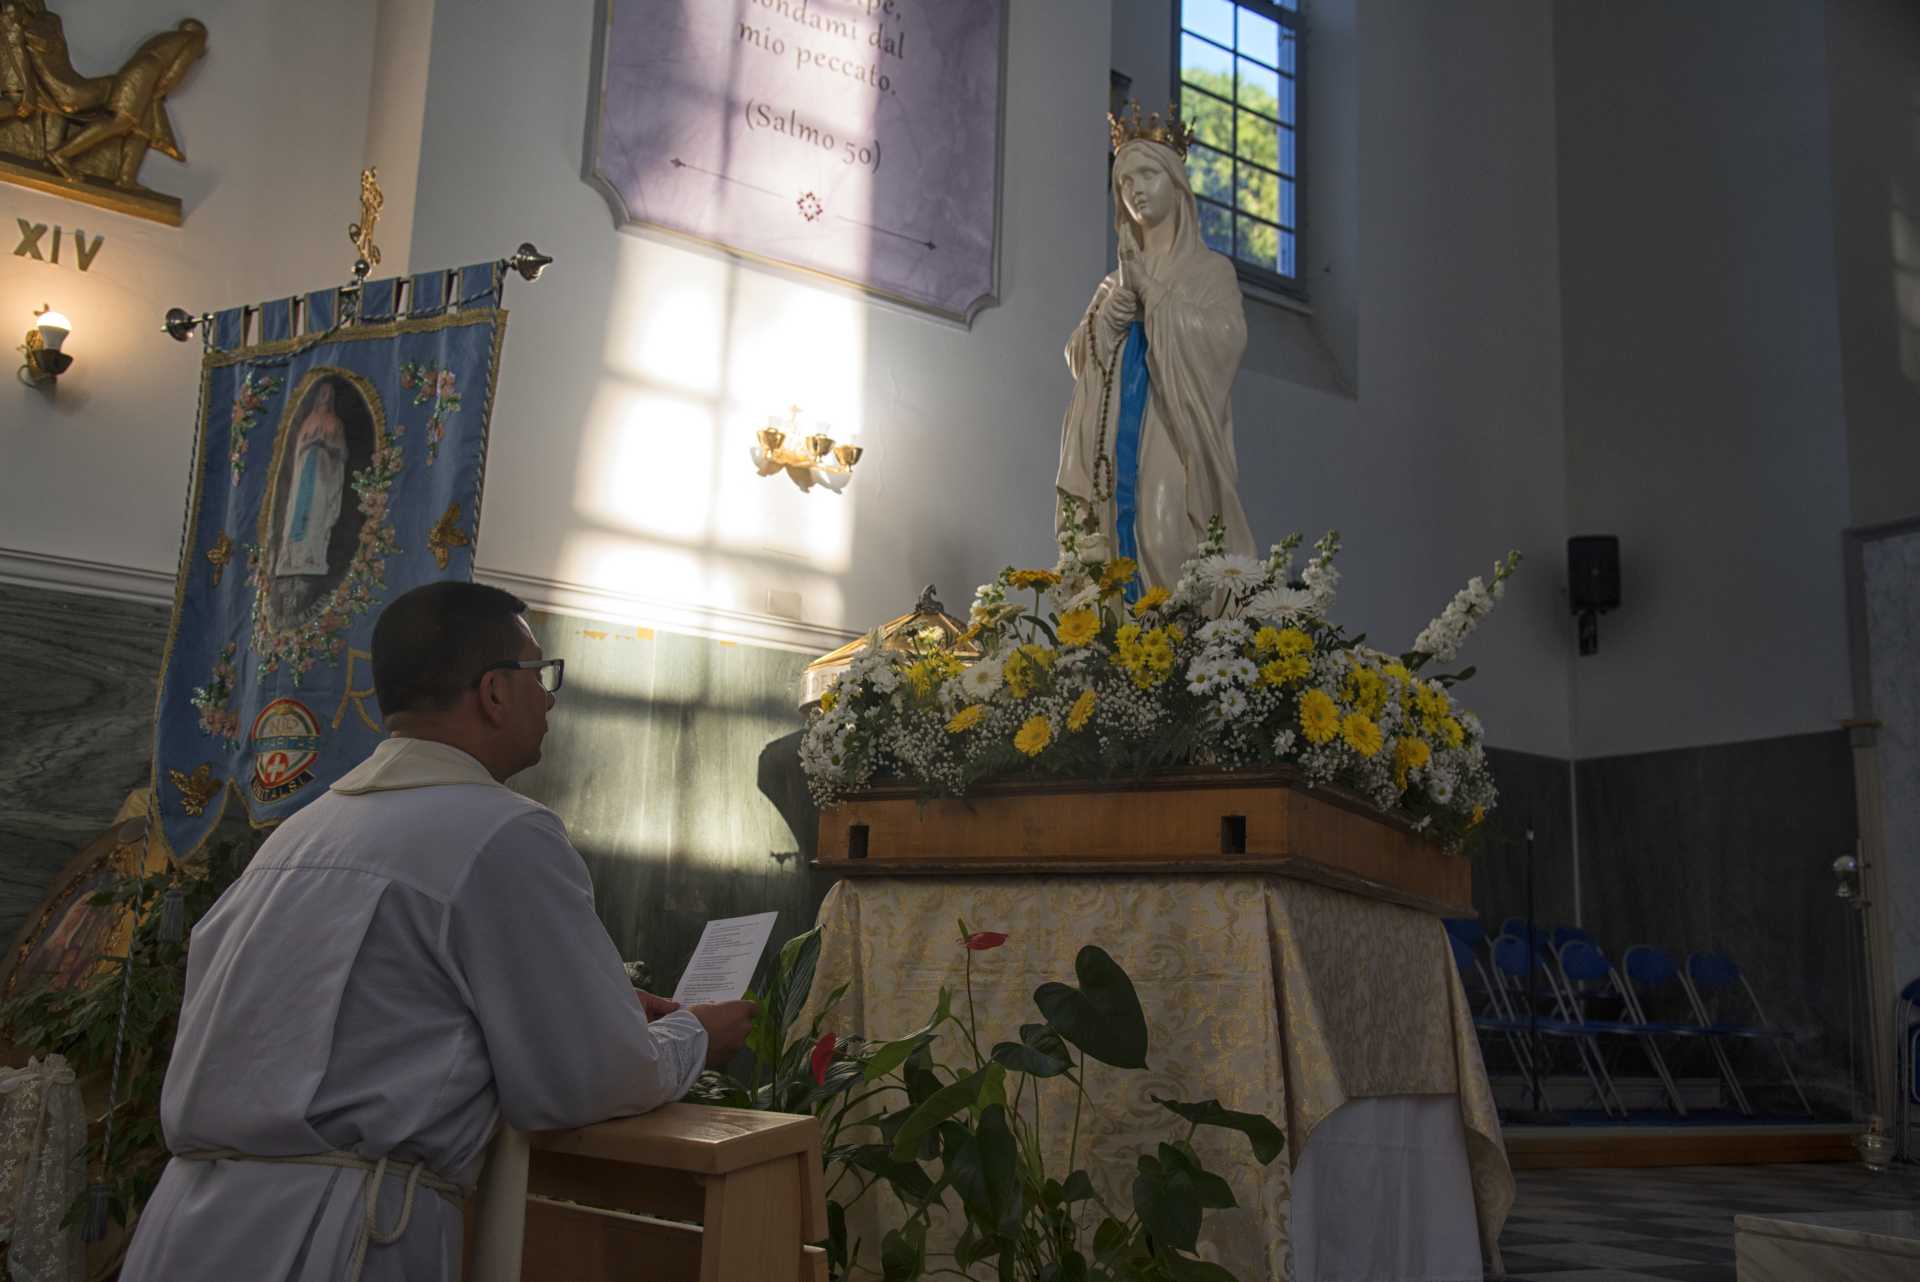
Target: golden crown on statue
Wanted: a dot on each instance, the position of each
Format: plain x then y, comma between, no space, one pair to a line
1129,127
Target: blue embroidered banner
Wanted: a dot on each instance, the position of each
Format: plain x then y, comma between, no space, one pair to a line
332,472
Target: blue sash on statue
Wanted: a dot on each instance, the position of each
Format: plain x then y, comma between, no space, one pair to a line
1135,383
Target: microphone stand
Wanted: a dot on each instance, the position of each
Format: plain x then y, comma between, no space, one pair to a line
1539,1114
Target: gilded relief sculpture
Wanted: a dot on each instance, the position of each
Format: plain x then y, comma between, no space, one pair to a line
85,137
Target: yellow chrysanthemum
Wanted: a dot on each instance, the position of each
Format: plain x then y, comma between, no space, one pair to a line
1282,642
1033,736
1176,632
828,699
1077,627
1479,813
1364,692
1284,671
1319,719
1432,704
1398,671
967,718
1081,712
1361,733
1032,578
1411,751
1038,655
1118,571
920,675
1018,674
1452,731
1152,598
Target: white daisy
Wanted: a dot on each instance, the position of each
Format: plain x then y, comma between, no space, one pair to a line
979,680
1223,631
1231,571
1280,603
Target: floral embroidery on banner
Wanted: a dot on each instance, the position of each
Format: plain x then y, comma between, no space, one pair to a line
435,385
248,400
215,699
321,635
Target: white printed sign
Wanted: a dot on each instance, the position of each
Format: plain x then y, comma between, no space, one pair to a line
857,139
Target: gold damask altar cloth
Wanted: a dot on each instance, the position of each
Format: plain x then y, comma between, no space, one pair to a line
1276,996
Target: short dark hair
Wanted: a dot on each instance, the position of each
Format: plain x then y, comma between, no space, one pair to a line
430,643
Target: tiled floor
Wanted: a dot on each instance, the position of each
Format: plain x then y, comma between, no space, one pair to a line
1673,1223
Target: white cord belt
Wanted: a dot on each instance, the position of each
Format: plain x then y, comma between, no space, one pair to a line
370,1234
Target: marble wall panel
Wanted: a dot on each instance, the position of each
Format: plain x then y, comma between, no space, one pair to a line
1730,847
1891,574
653,760
77,676
1535,792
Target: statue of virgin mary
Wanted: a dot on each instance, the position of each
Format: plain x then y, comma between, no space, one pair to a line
1146,451
318,485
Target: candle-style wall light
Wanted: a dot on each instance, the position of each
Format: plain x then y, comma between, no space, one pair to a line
42,360
821,461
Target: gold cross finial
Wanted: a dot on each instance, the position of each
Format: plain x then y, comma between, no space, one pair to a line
361,233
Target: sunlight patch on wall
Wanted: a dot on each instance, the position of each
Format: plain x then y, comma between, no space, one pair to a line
1904,228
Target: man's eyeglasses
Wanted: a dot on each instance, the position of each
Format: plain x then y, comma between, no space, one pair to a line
551,671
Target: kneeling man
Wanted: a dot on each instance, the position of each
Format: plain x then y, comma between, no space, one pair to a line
408,962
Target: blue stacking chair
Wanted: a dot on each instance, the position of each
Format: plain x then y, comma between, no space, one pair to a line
1560,936
1906,1041
1650,968
1498,1017
1716,975
1586,973
1512,958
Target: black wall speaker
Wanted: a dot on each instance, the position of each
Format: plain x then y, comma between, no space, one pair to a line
1593,582
1593,571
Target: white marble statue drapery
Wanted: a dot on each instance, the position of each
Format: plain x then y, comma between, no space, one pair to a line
1185,300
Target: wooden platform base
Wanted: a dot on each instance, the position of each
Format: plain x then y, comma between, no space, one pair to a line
1560,1147
1189,821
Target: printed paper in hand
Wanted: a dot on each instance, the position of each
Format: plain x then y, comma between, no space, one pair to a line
724,961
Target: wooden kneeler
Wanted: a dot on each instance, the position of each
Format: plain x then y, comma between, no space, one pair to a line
687,1193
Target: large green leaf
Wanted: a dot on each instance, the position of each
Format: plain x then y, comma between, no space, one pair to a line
1038,1053
986,1174
1071,1267
1215,1194
1102,1016
1187,1269
903,1252
942,1104
908,1178
1167,1203
1267,1139
795,968
893,1054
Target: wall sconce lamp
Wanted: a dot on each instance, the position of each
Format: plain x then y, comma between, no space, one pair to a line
42,360
805,467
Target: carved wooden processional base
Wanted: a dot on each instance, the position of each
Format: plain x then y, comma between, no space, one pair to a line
1196,821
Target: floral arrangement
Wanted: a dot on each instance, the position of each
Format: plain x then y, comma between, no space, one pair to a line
320,633
431,384
248,400
215,699
895,1115
1236,666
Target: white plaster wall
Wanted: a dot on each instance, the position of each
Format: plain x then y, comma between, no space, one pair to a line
1873,67
635,373
637,370
1704,412
273,121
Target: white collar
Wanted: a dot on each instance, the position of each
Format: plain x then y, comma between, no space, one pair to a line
413,763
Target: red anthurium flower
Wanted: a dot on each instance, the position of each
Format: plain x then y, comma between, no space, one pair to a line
982,940
823,1056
